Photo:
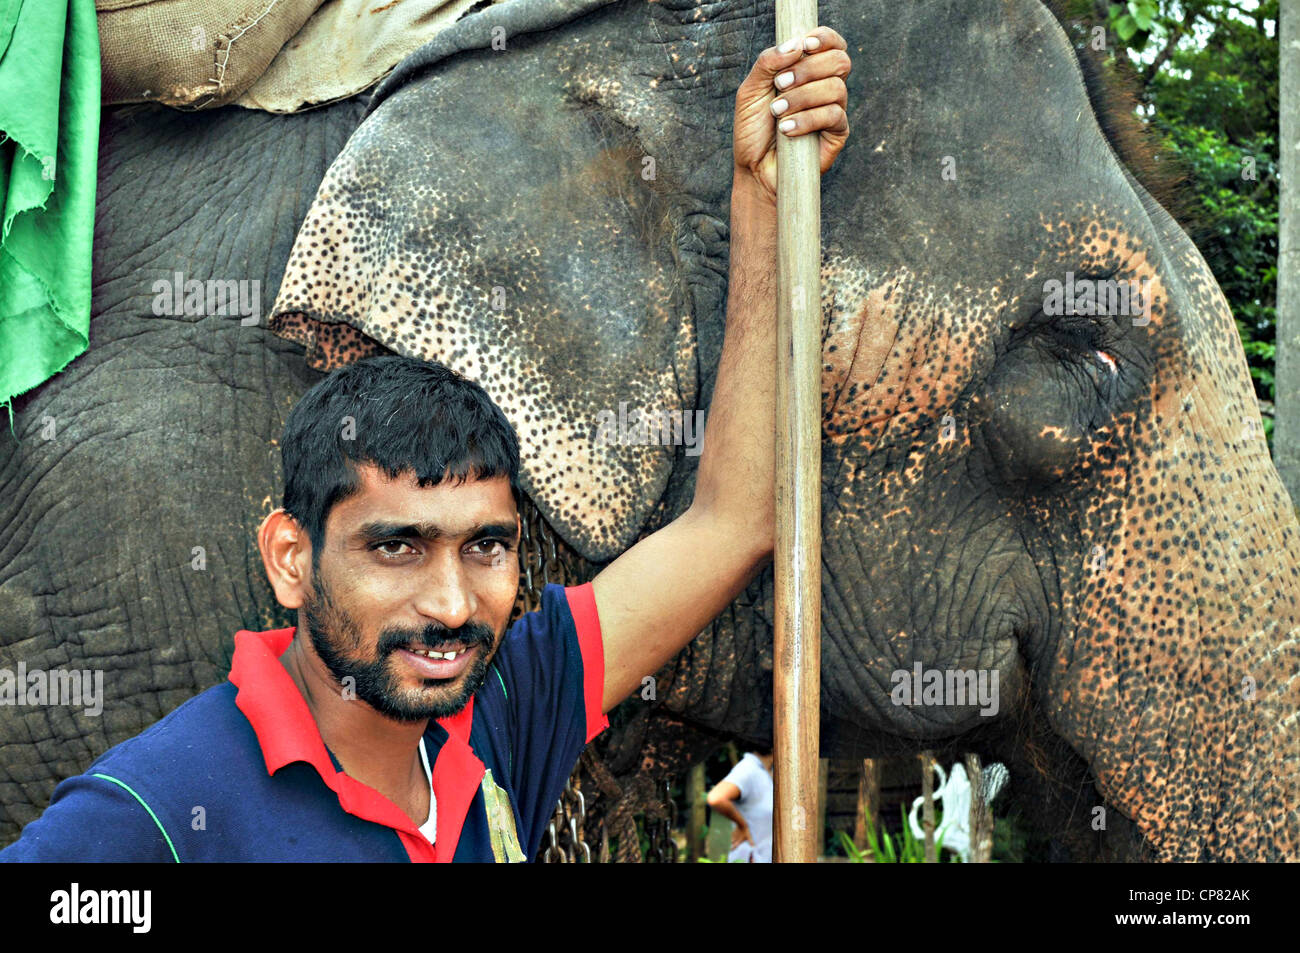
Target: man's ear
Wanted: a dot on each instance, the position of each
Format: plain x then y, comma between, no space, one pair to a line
286,554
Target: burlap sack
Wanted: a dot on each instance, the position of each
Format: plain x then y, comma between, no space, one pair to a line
347,46
192,54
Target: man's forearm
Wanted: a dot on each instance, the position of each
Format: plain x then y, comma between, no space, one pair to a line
728,810
736,475
656,597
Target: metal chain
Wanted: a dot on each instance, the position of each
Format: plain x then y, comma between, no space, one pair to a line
564,834
659,831
540,565
540,561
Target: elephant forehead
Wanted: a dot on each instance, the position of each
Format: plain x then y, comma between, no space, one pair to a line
898,350
541,277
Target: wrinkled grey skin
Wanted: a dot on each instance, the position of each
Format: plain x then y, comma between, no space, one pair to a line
976,453
163,438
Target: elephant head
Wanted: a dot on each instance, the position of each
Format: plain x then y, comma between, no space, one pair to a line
1042,456
1081,503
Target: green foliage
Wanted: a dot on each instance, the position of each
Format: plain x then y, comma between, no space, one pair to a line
882,849
1011,843
1207,76
1134,21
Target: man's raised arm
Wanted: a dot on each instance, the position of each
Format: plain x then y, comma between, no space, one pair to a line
663,591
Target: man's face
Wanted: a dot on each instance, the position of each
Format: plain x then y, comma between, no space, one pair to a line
406,571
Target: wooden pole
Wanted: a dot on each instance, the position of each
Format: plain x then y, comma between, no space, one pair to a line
981,815
868,812
927,806
823,780
1286,410
797,560
696,798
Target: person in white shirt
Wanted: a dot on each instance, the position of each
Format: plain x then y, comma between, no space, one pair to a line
745,796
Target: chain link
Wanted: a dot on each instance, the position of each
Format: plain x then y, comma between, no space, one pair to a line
544,559
541,564
565,843
540,560
659,831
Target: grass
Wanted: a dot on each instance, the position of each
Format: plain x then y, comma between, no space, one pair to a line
883,849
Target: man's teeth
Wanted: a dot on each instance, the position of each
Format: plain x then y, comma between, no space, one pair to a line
441,655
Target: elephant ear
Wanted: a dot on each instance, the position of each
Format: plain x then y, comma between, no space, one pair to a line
477,218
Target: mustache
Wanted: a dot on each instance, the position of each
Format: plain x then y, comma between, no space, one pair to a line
434,637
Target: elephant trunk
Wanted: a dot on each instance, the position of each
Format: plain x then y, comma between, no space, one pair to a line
1180,681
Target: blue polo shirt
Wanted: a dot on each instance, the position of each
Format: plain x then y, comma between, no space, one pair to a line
240,773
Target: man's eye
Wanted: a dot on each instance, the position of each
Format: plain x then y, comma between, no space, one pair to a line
489,547
393,552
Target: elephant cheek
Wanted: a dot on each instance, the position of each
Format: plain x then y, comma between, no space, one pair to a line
1042,455
1031,429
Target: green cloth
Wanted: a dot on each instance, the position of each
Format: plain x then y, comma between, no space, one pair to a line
49,140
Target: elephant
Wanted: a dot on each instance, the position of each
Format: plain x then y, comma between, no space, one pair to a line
1072,501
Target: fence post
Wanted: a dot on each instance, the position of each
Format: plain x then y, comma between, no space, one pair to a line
868,812
927,805
981,815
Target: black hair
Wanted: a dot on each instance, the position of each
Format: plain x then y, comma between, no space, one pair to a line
400,414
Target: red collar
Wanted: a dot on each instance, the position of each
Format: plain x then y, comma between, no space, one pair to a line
287,733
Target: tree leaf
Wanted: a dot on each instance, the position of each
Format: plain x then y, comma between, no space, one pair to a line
1142,14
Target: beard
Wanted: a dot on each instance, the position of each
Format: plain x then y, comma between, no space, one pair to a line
337,639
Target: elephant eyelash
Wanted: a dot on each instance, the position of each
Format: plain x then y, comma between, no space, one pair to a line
1083,332
1082,335
1093,337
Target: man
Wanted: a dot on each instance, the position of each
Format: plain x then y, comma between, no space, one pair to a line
744,796
400,720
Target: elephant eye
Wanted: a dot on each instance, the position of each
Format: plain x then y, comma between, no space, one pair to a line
1079,337
1081,315
1046,408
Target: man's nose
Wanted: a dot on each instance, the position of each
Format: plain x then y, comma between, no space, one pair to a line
445,595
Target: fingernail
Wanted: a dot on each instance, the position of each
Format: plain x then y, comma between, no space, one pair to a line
779,107
784,80
811,43
789,46
786,125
